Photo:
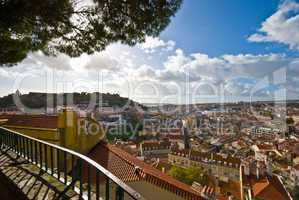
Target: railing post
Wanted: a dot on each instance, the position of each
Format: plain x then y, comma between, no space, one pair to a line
31,150
40,155
65,167
119,193
88,182
35,152
97,185
51,161
46,157
1,138
58,163
107,189
79,163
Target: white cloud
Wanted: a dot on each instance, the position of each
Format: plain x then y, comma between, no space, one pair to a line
145,71
176,62
281,27
59,62
151,44
102,61
121,69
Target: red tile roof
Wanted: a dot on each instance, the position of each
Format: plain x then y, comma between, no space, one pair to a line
296,167
102,154
34,121
265,147
125,166
269,188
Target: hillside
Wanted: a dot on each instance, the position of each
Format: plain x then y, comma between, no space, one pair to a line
39,100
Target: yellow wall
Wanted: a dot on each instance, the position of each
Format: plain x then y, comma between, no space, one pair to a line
49,135
73,133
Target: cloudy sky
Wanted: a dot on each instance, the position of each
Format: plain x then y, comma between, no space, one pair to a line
212,51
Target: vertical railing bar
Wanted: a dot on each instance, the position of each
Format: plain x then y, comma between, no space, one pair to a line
40,155
22,146
31,150
16,144
58,167
10,142
35,152
46,156
1,140
119,193
65,166
26,148
4,136
97,185
13,142
51,160
80,176
6,140
14,139
19,145
107,188
1,136
73,168
88,182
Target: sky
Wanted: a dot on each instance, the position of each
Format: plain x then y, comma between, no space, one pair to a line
212,51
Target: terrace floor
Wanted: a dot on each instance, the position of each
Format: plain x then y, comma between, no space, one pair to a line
30,180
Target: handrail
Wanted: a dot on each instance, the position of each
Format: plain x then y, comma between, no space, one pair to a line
122,187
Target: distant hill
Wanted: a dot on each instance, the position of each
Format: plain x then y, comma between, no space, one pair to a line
39,100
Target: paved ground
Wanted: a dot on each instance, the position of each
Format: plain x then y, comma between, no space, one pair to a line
33,182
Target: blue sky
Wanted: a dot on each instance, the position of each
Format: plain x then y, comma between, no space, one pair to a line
221,27
212,51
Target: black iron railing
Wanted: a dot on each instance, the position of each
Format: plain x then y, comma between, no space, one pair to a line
78,172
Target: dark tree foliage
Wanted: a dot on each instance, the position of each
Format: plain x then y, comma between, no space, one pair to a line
74,27
189,175
290,120
39,100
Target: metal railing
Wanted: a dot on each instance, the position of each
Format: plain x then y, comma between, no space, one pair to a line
76,171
